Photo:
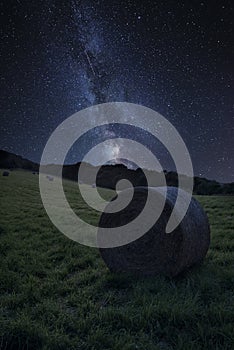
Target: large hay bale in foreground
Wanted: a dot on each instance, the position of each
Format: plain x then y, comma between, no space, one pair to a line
157,252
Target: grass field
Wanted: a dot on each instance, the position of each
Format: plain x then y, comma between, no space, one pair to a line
57,294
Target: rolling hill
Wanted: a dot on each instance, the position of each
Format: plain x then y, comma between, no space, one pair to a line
108,175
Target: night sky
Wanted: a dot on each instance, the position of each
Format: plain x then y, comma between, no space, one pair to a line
176,57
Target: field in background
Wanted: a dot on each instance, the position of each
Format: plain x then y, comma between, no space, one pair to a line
57,294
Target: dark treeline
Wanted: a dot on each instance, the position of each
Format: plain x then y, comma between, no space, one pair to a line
109,175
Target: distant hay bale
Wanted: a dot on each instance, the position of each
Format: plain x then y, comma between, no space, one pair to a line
50,178
157,252
5,173
93,185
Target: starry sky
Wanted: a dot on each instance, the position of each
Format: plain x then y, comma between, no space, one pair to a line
176,57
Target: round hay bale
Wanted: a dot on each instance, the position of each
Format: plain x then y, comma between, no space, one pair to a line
157,252
50,178
5,173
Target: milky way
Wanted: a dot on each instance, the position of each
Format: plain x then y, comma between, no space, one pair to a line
175,57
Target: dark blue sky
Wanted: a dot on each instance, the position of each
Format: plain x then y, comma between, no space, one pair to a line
173,56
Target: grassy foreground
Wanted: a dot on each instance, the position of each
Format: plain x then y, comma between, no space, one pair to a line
57,294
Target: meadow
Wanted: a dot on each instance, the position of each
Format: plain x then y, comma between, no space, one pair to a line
58,294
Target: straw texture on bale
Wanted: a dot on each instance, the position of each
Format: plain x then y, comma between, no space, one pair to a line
158,252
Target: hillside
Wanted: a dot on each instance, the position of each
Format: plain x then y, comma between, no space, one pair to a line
12,161
108,175
58,294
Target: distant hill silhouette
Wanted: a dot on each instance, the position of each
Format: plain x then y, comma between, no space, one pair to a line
108,175
12,161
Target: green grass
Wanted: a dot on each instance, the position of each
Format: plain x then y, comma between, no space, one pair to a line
58,294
